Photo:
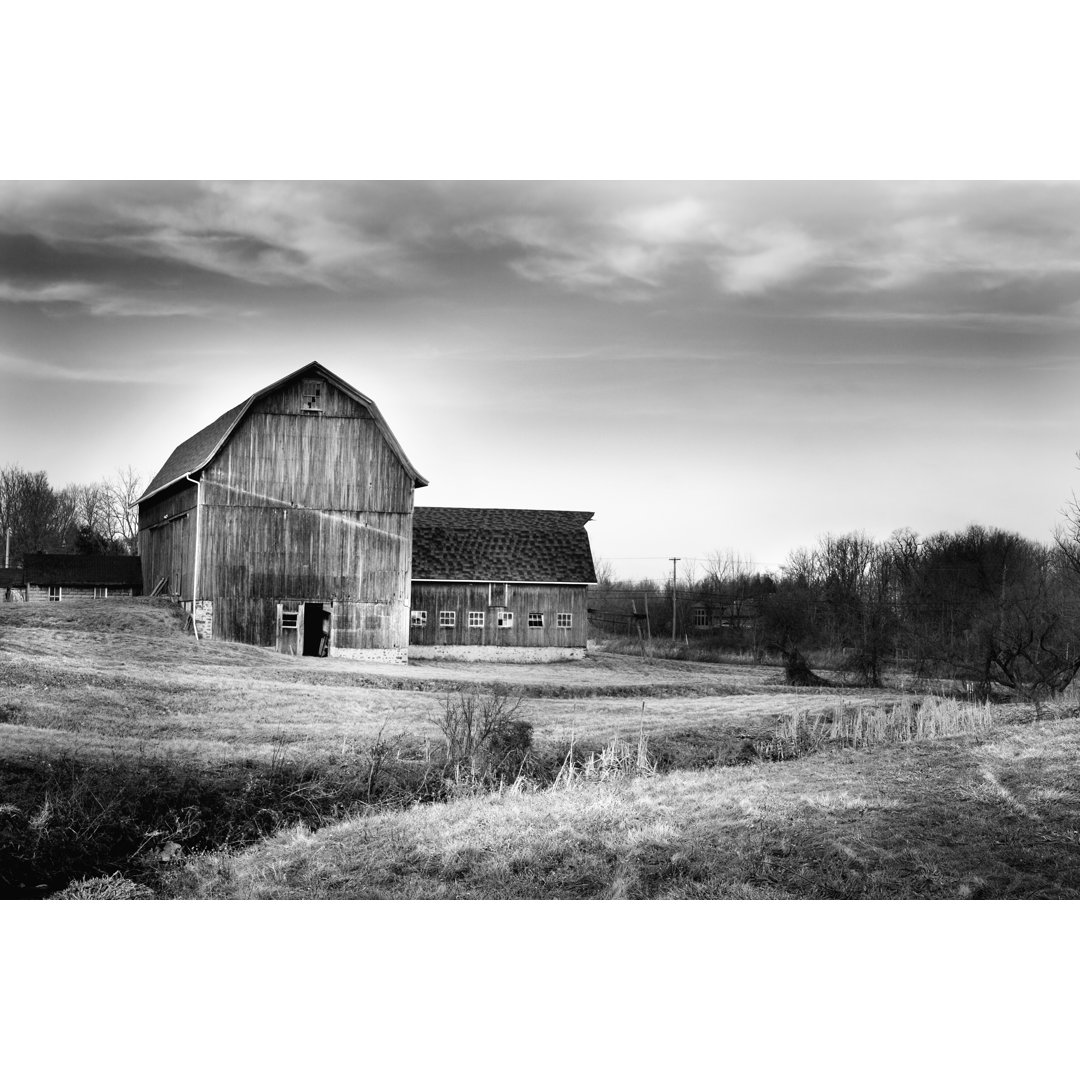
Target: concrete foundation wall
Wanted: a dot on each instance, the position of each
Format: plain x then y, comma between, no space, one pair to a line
496,654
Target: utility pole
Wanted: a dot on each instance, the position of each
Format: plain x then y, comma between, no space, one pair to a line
673,569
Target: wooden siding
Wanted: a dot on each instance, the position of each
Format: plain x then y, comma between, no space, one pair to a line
463,597
254,621
167,539
250,551
337,459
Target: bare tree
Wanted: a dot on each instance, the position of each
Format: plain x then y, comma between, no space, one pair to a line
121,491
40,519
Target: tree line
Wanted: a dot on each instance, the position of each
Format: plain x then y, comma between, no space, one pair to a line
981,604
84,519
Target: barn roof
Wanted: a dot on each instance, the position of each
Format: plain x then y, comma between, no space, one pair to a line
197,452
119,570
474,544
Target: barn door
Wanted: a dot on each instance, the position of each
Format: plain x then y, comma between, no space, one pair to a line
176,530
316,631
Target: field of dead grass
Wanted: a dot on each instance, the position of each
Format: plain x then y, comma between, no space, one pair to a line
125,743
961,819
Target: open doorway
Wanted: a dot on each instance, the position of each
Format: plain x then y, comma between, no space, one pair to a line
316,630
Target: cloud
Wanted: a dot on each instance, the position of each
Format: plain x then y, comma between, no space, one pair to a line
21,366
200,248
101,301
260,234
765,258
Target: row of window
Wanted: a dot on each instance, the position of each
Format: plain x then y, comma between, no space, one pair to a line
564,620
101,592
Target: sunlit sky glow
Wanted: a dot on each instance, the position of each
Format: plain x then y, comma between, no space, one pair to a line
704,366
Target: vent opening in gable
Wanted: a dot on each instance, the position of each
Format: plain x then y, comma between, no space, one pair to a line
311,396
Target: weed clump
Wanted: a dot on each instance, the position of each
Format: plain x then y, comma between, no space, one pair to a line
802,733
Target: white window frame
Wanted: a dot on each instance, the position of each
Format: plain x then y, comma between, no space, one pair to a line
418,619
536,620
447,620
505,619
564,620
701,618
59,592
476,620
101,592
290,619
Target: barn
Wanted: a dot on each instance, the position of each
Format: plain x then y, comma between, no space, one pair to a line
287,523
504,585
87,577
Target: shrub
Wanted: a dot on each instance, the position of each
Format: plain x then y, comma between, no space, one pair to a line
486,738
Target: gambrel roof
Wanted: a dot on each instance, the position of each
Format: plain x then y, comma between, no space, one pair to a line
474,544
197,452
118,570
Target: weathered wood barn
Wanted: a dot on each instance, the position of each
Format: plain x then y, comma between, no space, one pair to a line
287,523
88,577
499,584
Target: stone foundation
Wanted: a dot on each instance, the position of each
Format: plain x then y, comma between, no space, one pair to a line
204,617
370,656
496,654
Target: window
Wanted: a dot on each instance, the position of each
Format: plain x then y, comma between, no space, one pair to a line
419,618
101,592
288,620
701,617
476,619
447,618
505,618
54,592
311,396
564,620
536,618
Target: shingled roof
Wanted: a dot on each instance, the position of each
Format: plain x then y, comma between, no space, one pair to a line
473,544
117,570
197,452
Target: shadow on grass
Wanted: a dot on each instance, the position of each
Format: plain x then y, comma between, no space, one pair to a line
62,819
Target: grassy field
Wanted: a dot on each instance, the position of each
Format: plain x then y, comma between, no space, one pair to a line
959,819
126,747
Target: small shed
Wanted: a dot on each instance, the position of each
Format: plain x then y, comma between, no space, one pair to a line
504,585
90,577
11,584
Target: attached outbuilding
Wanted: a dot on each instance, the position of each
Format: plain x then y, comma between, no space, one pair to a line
86,577
287,523
503,585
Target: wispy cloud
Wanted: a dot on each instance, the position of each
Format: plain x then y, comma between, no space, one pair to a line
100,301
47,370
766,258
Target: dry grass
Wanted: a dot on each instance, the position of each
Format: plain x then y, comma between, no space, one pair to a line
121,736
934,819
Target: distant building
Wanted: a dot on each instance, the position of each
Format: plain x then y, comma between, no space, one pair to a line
87,577
11,584
287,523
506,585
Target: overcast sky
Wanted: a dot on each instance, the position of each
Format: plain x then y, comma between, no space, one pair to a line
704,366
